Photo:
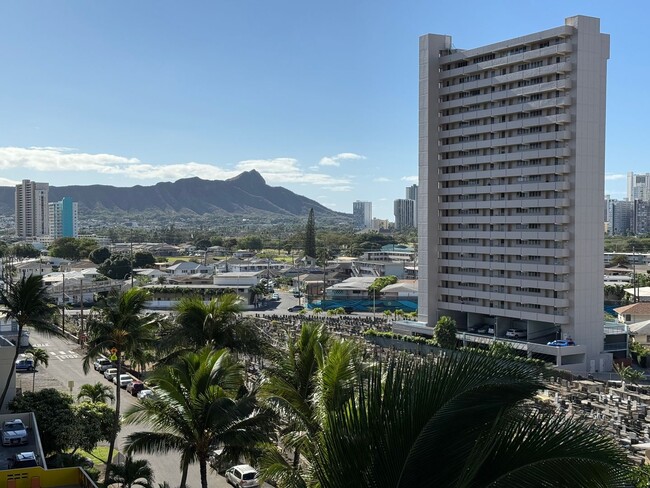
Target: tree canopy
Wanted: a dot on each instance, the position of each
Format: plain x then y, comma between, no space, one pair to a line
62,425
116,267
72,248
99,255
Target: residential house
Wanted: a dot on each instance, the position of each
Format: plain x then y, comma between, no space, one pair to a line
355,288
404,289
633,313
184,268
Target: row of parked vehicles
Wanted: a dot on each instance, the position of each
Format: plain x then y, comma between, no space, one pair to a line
489,330
132,385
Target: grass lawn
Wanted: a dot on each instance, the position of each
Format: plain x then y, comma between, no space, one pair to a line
99,454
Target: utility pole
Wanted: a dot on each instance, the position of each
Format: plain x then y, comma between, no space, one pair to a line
131,258
63,303
81,311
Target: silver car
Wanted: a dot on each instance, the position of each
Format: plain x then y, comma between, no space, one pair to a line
14,433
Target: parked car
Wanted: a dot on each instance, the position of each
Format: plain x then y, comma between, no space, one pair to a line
14,433
296,308
123,380
242,476
490,330
22,460
134,387
516,334
144,394
482,329
110,373
275,296
102,364
23,365
348,310
561,343
472,329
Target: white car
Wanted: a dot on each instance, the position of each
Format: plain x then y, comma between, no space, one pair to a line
102,364
242,476
144,394
516,334
110,373
123,380
14,433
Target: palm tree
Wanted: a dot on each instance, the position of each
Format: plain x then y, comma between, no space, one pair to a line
39,356
215,323
97,393
123,329
200,405
131,473
26,302
463,420
312,377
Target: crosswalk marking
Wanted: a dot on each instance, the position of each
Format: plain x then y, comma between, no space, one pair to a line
63,355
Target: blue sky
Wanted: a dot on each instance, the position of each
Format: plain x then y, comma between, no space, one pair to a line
319,97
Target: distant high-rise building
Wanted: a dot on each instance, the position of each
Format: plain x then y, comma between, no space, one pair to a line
404,210
380,224
63,218
31,209
638,187
412,194
511,174
362,214
620,217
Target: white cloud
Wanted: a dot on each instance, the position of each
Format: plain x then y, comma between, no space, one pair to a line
381,179
336,160
613,177
7,182
60,159
410,179
340,188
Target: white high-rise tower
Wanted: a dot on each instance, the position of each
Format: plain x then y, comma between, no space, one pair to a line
511,173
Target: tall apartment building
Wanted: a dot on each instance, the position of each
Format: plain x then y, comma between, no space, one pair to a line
63,218
31,209
412,194
404,211
619,218
511,173
362,214
638,187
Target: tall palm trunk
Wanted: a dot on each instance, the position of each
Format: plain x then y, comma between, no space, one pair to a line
203,467
13,366
184,475
116,420
296,457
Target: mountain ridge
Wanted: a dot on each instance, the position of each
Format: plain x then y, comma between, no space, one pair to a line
243,194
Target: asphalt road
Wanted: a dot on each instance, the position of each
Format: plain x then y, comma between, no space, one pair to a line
65,366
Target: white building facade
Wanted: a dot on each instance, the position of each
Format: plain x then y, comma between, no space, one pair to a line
31,214
638,187
511,184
